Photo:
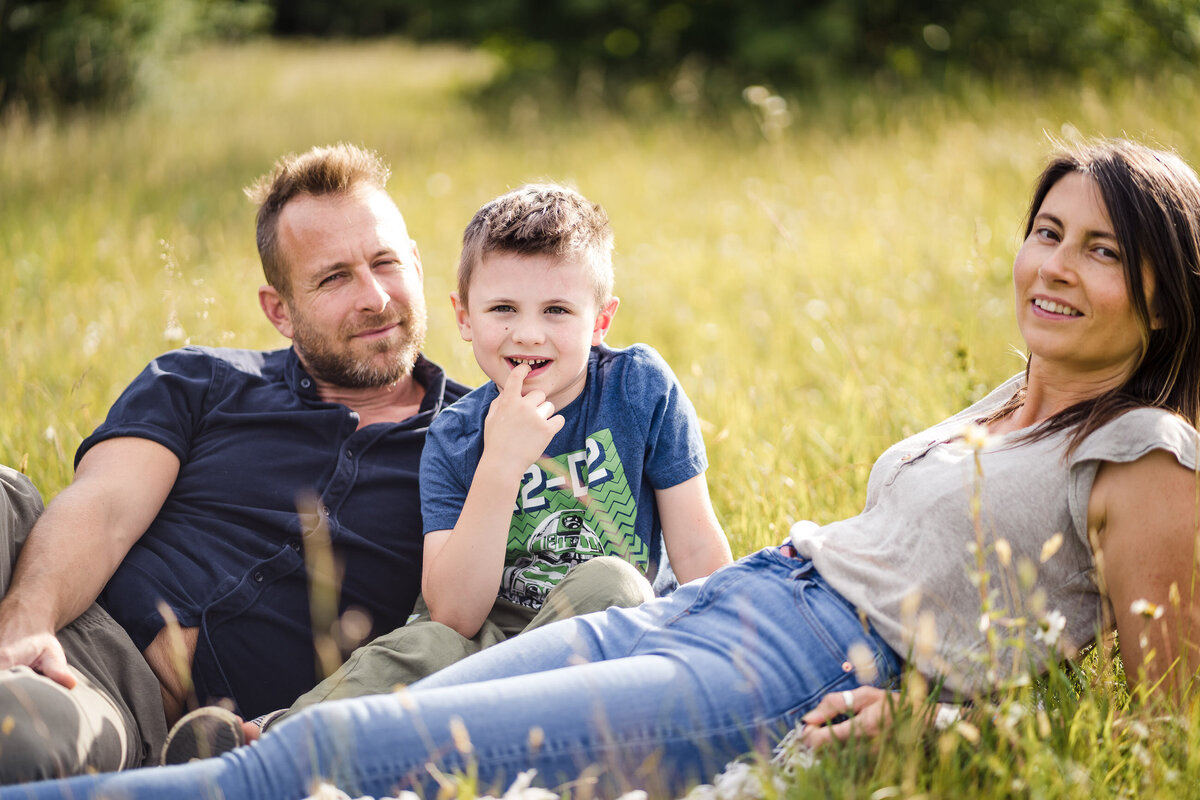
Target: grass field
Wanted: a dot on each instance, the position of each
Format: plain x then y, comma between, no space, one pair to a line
820,293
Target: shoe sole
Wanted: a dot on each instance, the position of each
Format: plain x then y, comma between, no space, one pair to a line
203,733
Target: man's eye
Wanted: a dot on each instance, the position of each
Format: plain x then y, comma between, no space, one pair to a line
328,279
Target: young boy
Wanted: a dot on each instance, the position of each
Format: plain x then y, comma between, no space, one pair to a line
599,447
554,489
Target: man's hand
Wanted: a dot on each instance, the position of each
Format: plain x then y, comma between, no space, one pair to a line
42,653
868,712
519,427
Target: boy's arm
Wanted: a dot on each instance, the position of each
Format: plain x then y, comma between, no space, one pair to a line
695,543
463,566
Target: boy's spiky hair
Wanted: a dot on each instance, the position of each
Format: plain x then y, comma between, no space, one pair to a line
541,219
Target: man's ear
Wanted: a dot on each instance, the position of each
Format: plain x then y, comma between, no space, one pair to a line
276,309
604,320
461,317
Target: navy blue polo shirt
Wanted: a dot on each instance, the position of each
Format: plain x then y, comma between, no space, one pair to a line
226,552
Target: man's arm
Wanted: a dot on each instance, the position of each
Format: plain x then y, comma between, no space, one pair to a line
695,543
76,546
463,566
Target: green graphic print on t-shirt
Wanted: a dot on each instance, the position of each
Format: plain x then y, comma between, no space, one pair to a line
571,508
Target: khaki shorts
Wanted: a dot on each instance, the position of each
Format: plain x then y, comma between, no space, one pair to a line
113,719
423,646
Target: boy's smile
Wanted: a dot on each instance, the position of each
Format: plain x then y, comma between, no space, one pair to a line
538,310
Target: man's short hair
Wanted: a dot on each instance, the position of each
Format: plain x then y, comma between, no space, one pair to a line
541,219
333,170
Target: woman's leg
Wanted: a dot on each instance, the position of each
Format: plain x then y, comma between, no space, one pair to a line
685,684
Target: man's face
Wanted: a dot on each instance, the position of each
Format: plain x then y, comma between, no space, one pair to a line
356,314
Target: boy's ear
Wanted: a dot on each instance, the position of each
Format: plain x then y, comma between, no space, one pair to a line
461,317
604,320
276,309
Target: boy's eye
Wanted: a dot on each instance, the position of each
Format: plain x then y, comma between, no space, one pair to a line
556,310
502,309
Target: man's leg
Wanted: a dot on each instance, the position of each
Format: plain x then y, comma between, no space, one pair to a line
113,717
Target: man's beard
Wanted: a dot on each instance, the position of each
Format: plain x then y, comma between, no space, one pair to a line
341,368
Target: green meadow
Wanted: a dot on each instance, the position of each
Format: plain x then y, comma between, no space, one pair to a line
821,288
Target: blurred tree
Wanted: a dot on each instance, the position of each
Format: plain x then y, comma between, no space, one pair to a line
69,53
787,43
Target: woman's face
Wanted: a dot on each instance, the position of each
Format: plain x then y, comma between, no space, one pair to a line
1073,307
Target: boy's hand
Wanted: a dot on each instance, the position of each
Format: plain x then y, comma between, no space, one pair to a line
518,428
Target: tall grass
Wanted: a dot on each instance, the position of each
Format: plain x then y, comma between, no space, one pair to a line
821,292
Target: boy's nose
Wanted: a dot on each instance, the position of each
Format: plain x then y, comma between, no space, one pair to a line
527,331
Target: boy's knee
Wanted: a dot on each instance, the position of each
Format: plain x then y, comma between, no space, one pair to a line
44,735
604,582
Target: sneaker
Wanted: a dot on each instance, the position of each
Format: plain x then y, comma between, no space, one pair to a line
268,719
206,732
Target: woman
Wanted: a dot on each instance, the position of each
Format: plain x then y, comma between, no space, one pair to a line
1091,476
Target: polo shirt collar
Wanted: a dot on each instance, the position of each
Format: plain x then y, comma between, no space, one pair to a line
427,373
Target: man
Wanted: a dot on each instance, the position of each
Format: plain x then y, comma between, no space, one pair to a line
185,501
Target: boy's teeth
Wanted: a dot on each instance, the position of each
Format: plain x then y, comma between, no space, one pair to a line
1056,308
534,363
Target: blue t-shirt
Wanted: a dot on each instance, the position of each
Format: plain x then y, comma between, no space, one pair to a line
631,431
226,551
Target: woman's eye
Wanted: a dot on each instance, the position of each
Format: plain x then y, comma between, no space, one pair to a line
1108,252
1046,233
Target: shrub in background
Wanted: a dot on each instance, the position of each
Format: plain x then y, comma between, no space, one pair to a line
89,53
727,44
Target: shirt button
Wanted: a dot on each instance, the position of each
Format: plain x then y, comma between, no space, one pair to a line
294,544
349,454
258,577
325,511
305,382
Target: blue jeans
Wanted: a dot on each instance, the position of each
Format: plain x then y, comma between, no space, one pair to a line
659,697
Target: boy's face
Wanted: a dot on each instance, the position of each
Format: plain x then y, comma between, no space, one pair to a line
539,310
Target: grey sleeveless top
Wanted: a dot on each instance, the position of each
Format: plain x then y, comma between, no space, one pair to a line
908,560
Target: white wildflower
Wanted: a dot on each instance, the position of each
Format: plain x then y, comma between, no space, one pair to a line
976,437
985,622
49,434
522,788
792,755
1144,608
1050,628
174,332
327,791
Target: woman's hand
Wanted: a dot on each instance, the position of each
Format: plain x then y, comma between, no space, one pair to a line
868,711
